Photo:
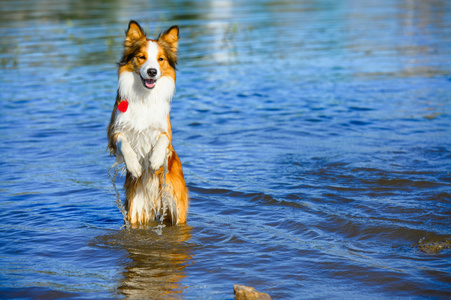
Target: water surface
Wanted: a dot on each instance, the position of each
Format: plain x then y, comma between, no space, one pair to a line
315,138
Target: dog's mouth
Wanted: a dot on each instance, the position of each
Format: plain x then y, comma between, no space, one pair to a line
148,83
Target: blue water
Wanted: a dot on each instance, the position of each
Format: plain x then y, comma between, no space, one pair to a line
315,138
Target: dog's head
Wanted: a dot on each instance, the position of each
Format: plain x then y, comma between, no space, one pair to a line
149,59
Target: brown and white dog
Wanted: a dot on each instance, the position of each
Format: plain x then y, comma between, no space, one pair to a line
140,134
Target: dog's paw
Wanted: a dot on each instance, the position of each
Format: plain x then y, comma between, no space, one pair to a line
157,158
159,153
134,167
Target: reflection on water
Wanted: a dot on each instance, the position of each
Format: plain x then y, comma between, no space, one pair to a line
314,137
156,260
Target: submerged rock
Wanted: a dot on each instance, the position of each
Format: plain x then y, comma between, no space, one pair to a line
243,292
434,248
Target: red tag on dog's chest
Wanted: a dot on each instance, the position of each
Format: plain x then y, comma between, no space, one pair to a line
122,106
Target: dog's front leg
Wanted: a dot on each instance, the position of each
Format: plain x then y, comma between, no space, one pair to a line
128,156
159,152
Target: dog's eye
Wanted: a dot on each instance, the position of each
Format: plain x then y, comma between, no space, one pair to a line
142,57
161,59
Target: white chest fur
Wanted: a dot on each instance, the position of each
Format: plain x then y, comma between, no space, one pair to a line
147,111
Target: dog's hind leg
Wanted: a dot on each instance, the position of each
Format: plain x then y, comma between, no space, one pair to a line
175,188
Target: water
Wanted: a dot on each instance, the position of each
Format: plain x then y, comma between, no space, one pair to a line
315,139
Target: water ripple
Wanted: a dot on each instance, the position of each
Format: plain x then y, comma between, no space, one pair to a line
314,137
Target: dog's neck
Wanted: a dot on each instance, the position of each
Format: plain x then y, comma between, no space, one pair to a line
148,109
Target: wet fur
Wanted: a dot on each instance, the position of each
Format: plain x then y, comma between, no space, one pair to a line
147,130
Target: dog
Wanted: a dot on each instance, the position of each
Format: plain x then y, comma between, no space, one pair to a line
140,133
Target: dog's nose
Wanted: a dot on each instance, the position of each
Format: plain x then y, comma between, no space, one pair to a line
152,72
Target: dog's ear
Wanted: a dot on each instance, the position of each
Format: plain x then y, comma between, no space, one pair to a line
170,37
134,33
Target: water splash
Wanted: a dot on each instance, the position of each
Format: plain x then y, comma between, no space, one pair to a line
119,203
158,229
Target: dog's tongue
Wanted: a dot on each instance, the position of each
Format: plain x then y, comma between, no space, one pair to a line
150,83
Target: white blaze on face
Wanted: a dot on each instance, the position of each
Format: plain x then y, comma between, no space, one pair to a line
151,63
